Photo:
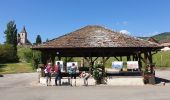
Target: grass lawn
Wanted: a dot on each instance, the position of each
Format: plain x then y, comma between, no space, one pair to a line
10,68
162,59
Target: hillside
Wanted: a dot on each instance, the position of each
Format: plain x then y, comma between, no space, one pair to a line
158,37
162,36
144,38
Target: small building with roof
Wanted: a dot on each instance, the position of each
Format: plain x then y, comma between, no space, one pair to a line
92,42
97,41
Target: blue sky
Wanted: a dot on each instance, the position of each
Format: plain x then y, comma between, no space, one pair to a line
53,18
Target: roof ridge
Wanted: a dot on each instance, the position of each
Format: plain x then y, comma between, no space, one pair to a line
96,36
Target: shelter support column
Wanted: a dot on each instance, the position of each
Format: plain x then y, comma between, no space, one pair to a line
139,60
44,57
91,61
148,59
53,58
104,60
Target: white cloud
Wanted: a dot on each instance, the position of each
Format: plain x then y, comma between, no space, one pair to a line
125,32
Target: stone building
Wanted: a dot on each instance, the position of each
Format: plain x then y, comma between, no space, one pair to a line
22,37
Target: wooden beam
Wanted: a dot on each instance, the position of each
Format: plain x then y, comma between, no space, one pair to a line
87,59
116,58
106,59
95,59
70,58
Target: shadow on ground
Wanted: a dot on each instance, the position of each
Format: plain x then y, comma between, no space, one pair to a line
1,69
159,80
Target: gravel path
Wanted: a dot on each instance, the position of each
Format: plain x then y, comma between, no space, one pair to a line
24,87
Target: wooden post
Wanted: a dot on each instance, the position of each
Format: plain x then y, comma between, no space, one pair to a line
145,58
104,63
53,58
150,57
44,57
139,59
120,58
89,60
128,58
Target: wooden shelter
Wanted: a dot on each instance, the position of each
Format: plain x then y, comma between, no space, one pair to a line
92,42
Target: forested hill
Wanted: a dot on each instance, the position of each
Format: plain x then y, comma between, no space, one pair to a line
162,36
159,37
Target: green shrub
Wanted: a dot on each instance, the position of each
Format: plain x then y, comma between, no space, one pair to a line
7,54
97,73
25,54
36,59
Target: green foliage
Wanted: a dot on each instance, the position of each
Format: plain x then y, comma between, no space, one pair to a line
162,59
11,37
25,54
11,33
144,38
158,37
7,53
29,56
36,59
97,73
38,39
162,36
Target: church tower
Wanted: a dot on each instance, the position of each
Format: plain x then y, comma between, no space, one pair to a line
22,37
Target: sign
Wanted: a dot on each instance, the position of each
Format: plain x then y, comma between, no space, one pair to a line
69,65
117,65
132,65
61,65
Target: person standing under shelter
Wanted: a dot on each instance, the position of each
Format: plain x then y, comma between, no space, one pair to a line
73,70
57,71
48,74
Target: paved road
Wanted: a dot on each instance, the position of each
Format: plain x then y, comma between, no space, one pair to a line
24,87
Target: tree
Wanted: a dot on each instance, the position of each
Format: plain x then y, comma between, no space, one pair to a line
38,39
47,40
11,37
11,34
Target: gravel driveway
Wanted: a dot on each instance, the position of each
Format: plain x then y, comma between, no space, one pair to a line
24,87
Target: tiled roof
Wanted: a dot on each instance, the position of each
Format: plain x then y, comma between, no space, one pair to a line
95,36
152,40
164,41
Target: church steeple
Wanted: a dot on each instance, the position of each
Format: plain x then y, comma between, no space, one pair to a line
22,37
24,30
